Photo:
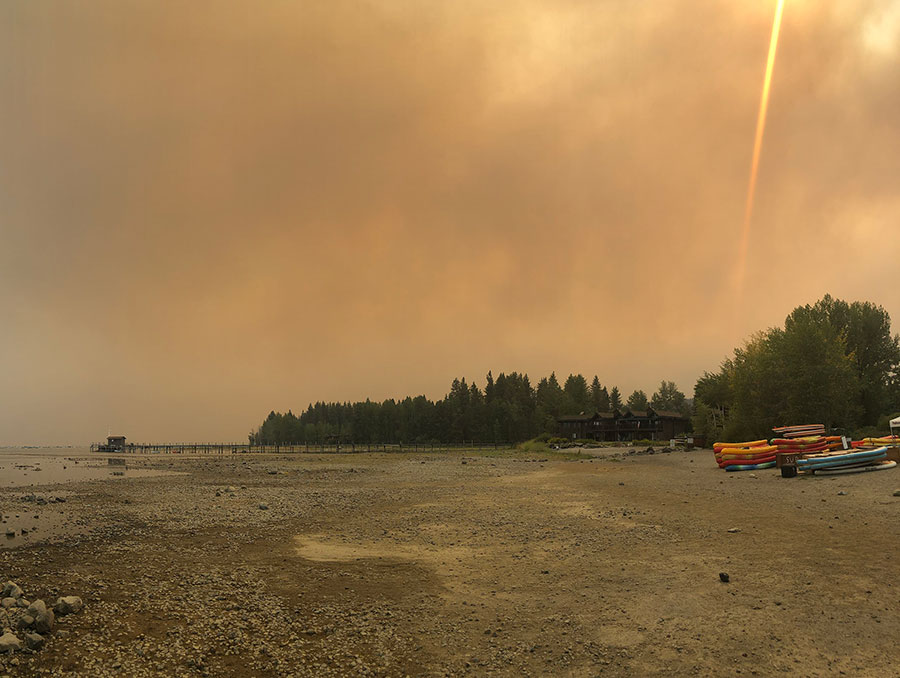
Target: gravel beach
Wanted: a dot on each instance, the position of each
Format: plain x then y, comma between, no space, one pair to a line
458,564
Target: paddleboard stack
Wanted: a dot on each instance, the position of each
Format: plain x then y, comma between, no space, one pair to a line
749,456
800,431
834,463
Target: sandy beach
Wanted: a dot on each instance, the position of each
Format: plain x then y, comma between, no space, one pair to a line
461,564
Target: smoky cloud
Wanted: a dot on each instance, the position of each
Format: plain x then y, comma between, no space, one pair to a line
214,209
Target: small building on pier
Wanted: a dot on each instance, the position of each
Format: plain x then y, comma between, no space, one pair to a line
113,444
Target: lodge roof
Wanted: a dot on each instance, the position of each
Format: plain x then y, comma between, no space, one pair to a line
670,414
627,412
575,417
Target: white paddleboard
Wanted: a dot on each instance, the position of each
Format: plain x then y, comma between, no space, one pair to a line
877,466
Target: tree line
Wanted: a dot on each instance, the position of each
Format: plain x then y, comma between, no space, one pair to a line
508,410
832,362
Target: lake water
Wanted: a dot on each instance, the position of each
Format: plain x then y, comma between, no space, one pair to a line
32,467
35,510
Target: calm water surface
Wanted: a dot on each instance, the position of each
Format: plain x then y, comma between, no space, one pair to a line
35,466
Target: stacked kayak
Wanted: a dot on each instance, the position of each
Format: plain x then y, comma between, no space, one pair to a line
834,463
800,431
806,445
835,442
877,442
749,456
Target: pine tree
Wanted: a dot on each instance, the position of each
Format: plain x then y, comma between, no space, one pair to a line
615,399
576,389
596,394
638,401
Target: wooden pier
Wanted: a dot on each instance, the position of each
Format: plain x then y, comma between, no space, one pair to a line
293,448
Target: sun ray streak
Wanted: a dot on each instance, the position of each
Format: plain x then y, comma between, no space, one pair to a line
757,149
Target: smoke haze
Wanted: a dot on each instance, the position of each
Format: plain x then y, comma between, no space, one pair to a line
209,210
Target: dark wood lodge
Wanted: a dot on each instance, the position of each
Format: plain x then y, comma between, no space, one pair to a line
624,425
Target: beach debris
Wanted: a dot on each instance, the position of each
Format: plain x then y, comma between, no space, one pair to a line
734,530
724,578
897,493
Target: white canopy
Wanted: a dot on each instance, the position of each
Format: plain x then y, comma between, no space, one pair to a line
895,423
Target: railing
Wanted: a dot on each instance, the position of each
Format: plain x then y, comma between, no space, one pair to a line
295,448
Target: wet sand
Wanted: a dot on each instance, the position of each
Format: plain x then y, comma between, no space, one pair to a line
468,565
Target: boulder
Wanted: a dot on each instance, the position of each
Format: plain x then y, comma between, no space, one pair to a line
26,621
34,641
9,643
11,590
43,618
7,603
67,605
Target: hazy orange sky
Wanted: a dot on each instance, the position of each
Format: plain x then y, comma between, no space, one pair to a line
209,210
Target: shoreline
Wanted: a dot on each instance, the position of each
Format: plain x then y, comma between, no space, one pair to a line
464,564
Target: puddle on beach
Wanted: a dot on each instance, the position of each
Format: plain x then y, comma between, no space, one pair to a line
26,469
30,524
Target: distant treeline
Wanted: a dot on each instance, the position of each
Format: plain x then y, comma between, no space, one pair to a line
508,410
834,363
